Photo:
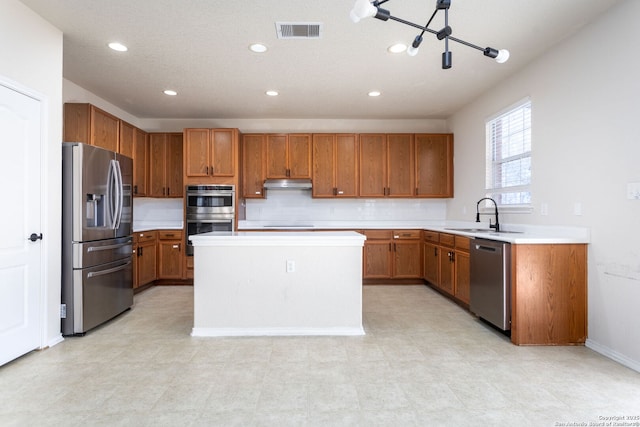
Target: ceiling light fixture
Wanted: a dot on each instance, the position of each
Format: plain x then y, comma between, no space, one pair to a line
170,92
258,48
374,93
272,93
366,9
397,48
118,46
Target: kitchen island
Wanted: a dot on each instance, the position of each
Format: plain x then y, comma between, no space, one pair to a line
256,283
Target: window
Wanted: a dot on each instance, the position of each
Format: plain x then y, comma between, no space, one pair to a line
508,164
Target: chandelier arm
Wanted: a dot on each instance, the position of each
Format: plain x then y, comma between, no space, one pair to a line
429,30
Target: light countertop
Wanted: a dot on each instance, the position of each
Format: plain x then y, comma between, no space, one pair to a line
519,233
282,238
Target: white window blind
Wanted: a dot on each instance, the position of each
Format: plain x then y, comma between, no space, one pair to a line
508,164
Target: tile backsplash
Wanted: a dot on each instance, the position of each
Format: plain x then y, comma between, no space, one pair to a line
299,206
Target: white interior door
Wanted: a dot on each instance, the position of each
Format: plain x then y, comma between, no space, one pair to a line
20,216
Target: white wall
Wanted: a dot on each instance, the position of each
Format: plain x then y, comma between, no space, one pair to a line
31,55
586,148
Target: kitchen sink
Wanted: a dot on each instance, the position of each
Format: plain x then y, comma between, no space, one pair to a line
482,230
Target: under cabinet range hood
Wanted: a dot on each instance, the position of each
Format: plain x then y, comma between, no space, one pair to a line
288,184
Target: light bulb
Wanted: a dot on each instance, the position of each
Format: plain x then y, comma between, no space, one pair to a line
503,56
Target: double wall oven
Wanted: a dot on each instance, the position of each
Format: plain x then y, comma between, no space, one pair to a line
209,208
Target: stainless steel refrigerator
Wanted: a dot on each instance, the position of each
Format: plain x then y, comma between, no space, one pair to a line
97,242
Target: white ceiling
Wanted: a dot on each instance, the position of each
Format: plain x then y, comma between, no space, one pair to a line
200,49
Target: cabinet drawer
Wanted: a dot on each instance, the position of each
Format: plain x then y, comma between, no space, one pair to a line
146,236
406,234
462,243
170,234
447,239
431,236
378,234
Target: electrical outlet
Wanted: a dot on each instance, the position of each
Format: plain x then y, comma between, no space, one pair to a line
291,266
544,209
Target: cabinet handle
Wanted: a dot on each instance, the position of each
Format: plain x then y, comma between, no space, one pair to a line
135,189
340,192
335,191
140,251
176,246
435,251
206,170
389,247
168,191
258,192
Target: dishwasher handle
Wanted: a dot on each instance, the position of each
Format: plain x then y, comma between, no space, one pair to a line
486,248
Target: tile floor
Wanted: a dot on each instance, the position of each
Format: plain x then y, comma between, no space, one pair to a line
423,362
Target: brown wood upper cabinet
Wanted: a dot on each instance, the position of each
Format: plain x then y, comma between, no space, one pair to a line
134,144
386,165
88,124
253,165
335,165
289,155
210,153
434,165
165,165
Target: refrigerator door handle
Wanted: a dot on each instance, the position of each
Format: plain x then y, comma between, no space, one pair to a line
107,247
108,271
115,194
119,193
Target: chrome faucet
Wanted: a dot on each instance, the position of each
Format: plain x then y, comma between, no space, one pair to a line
495,226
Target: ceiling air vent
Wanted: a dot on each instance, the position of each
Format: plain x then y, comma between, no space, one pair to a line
299,30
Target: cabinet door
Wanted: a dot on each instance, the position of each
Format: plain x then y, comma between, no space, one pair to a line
434,165
400,170
377,259
323,165
346,165
173,164
223,149
170,259
157,143
126,139
431,258
373,165
140,157
299,156
253,165
147,262
407,259
462,276
277,156
104,129
447,270
197,156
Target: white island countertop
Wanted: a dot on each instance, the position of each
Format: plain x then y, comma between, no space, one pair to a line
279,238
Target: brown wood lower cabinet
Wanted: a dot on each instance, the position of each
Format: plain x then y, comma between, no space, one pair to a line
145,258
549,294
170,253
446,263
392,254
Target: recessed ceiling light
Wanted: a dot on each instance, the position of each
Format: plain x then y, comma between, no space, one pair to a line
397,48
258,48
374,93
170,92
272,93
118,46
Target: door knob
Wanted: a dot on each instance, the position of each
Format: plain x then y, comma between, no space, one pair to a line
35,237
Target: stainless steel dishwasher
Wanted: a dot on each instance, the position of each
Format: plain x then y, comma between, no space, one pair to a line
490,294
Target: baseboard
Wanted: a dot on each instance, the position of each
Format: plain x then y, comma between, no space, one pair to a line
253,332
614,355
